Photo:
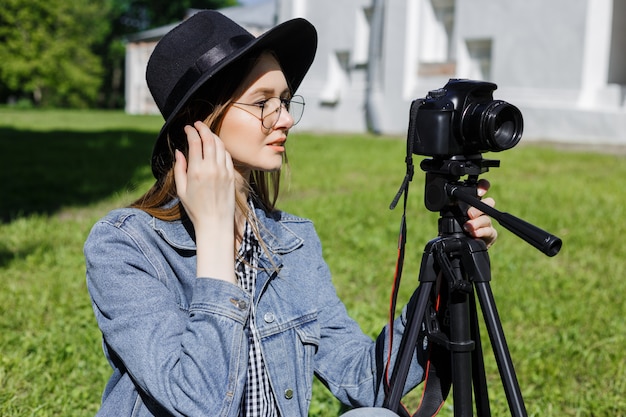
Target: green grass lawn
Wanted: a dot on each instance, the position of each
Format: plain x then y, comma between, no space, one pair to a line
563,316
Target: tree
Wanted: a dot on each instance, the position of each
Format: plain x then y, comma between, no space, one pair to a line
71,53
132,16
46,49
145,14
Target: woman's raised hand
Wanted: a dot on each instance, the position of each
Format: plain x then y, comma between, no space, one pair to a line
205,183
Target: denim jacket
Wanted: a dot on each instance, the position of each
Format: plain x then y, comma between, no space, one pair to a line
178,344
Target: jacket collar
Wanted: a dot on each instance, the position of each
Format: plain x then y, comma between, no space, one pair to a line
278,238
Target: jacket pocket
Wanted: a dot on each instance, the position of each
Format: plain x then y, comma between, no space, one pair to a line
308,341
289,349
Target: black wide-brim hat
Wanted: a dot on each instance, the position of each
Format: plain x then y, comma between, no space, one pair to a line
208,43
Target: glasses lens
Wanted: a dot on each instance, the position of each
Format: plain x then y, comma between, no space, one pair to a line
271,112
296,108
273,106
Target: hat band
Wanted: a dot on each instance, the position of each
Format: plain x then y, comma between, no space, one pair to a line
203,64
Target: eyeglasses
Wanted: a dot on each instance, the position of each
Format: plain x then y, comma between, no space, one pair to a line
271,108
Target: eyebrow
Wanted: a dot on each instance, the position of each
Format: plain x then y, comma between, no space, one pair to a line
267,91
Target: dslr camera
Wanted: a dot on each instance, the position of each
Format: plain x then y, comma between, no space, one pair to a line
462,118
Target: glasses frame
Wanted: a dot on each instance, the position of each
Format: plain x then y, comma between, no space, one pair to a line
284,102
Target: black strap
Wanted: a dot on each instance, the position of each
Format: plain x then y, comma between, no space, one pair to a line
404,190
438,377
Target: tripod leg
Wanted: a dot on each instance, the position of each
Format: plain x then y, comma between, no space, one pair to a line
415,315
461,346
501,351
481,393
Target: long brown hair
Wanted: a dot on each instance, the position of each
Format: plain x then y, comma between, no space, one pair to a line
210,105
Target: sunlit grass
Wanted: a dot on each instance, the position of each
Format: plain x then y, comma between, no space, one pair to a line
563,316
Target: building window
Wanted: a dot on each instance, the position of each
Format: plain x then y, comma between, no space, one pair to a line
479,52
617,61
436,52
360,51
437,23
336,79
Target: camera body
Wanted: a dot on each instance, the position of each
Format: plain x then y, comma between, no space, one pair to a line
462,118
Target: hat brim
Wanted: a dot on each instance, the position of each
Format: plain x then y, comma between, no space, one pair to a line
294,43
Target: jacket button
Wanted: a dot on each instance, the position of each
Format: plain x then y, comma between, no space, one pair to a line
288,393
269,317
240,304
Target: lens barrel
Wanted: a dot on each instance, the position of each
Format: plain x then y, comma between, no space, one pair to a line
493,126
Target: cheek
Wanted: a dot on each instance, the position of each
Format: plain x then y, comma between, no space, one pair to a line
238,130
230,129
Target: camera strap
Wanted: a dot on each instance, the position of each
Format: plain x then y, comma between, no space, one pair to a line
410,168
404,190
436,384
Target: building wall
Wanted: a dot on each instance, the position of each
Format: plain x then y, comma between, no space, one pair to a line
138,98
560,61
335,86
535,44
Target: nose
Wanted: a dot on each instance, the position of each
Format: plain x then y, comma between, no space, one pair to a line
285,119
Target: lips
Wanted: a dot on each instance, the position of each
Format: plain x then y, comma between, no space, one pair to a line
279,142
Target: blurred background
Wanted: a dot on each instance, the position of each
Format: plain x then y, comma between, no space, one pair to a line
561,62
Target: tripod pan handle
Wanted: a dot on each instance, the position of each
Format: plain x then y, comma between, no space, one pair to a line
539,238
542,240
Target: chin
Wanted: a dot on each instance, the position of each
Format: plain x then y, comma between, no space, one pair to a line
273,169
267,168
272,166
268,165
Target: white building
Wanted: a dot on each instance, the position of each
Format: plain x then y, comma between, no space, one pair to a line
560,61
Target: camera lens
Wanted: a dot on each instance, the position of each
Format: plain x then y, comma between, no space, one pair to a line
492,126
501,125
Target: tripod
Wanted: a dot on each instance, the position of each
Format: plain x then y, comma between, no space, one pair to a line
454,271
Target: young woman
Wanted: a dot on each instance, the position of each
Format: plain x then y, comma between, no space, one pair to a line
211,301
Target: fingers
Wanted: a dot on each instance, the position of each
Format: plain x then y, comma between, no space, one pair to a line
180,171
480,225
206,151
208,162
203,143
482,187
194,142
479,222
482,229
474,213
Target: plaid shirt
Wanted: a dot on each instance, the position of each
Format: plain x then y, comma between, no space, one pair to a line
259,399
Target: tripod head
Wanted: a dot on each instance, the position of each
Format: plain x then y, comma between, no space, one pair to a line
447,193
